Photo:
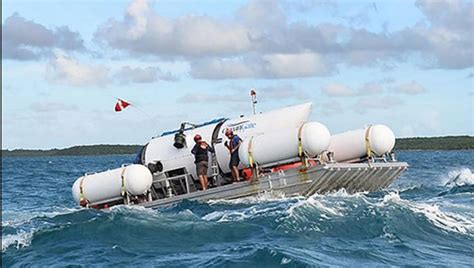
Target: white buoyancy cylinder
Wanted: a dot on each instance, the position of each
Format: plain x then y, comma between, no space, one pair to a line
283,145
353,145
107,185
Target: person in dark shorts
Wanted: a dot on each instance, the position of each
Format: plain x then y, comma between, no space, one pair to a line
200,152
233,146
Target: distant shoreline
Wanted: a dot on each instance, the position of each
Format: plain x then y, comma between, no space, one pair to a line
413,144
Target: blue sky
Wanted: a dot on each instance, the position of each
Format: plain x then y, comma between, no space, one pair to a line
406,64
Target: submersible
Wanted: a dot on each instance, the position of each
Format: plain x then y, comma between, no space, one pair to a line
281,153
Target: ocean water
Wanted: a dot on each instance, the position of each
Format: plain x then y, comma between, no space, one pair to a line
425,218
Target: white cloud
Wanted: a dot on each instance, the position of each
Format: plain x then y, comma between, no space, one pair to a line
211,98
24,39
330,108
260,41
51,106
412,88
267,66
295,65
237,95
308,5
224,68
144,31
340,90
128,74
370,88
282,92
449,33
366,104
137,15
337,90
65,69
262,14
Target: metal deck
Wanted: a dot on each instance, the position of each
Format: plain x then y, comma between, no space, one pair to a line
353,177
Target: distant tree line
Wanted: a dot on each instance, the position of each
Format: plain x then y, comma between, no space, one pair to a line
103,149
428,143
436,143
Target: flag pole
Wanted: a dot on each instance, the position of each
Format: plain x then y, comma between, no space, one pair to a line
141,110
253,94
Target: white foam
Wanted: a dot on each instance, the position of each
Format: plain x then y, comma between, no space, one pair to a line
314,201
343,193
392,238
18,218
325,203
285,261
239,215
444,220
133,212
461,177
265,197
130,208
392,197
19,240
213,216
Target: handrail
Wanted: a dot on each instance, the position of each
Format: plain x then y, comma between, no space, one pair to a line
178,177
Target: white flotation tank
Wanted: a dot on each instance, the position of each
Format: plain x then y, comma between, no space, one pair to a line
354,144
277,146
106,186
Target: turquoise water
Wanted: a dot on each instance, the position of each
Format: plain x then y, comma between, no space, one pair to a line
425,218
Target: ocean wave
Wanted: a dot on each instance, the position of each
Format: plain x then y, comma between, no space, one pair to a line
410,223
314,202
335,214
410,189
458,182
264,197
460,177
444,220
25,225
19,240
344,194
338,215
270,205
253,212
18,218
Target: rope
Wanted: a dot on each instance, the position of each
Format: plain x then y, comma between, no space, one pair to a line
300,144
367,142
252,163
122,176
250,152
82,198
301,154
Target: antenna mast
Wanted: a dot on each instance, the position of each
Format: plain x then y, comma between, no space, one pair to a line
253,94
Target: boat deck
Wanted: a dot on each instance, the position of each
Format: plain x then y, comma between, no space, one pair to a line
353,177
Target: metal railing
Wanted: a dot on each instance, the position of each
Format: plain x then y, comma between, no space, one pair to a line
168,188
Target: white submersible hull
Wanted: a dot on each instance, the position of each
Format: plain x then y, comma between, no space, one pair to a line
281,153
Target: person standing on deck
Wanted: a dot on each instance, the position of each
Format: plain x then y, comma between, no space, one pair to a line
233,147
200,152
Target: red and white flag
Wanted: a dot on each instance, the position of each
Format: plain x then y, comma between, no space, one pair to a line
121,104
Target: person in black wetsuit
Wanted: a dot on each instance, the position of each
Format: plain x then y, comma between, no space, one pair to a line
200,152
